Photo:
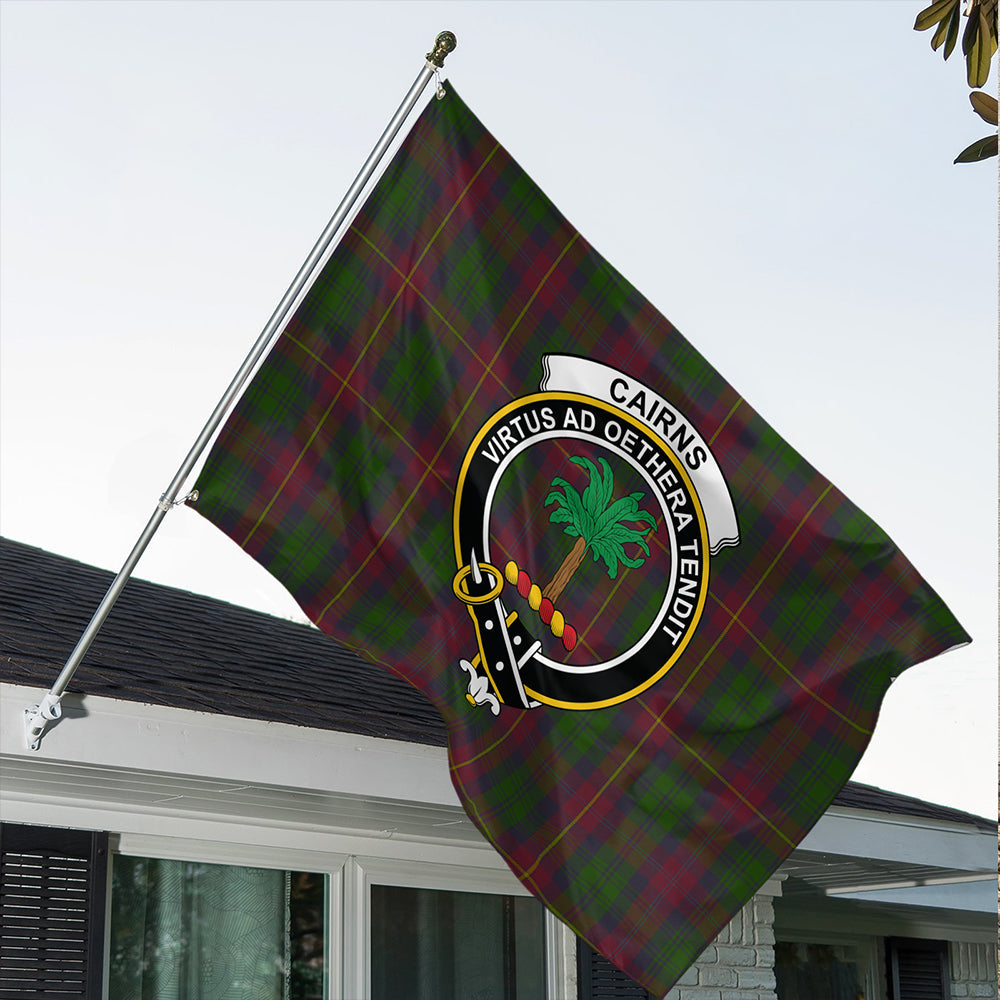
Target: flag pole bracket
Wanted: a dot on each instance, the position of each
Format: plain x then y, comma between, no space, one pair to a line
37,718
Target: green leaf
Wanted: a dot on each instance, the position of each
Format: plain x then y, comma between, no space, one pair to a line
619,510
943,30
978,56
600,523
599,490
979,42
608,554
612,554
982,149
607,484
954,23
592,476
569,502
556,498
631,563
622,535
985,105
986,49
623,510
969,35
930,16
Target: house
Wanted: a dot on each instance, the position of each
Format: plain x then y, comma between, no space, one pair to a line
234,806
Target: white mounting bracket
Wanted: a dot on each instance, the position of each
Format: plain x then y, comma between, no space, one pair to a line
37,717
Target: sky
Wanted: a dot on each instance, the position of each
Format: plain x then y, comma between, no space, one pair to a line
775,177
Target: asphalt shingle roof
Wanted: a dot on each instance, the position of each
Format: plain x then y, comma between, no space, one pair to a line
164,646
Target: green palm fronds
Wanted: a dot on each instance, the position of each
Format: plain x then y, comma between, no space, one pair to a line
606,527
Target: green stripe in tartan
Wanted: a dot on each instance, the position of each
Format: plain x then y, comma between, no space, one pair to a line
647,824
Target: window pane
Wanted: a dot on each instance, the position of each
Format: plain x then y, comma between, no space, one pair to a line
428,944
817,972
191,931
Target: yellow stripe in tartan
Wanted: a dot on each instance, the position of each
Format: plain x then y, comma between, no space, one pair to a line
582,635
485,829
812,694
488,365
704,763
363,351
621,767
521,716
718,430
364,402
750,596
431,307
445,440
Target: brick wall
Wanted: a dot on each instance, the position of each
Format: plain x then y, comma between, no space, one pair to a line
739,964
973,970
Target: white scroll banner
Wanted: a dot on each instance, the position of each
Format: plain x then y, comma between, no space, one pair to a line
568,373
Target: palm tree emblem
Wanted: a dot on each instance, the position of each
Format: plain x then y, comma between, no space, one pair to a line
599,524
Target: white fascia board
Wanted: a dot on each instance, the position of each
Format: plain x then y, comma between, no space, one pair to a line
113,733
905,839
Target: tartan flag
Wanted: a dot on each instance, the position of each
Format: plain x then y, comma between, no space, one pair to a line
659,638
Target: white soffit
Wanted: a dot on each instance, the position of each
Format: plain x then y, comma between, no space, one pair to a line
966,895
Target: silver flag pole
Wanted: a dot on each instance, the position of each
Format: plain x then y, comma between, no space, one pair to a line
37,717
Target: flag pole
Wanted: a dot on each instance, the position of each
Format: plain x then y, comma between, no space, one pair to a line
37,717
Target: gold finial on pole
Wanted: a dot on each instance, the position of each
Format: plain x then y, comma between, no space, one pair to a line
443,44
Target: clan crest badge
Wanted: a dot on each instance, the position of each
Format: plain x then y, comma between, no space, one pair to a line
593,465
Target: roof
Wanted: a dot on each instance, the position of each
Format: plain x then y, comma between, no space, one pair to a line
169,647
164,646
871,799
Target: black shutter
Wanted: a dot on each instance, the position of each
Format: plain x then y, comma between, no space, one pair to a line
53,889
917,970
600,980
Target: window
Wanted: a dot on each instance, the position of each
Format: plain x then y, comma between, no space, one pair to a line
183,930
818,971
198,919
448,932
429,944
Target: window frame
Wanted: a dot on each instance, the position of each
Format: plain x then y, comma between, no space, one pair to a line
361,873
328,864
870,964
349,880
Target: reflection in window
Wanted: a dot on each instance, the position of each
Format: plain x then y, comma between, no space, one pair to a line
191,931
817,971
428,944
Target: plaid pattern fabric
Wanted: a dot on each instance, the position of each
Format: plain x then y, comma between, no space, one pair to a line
644,825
